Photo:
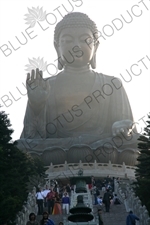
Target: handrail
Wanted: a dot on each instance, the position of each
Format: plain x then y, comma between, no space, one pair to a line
132,202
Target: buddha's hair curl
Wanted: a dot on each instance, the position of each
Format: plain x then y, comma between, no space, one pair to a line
75,19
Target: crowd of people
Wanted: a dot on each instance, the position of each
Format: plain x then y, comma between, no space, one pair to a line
51,201
106,188
56,201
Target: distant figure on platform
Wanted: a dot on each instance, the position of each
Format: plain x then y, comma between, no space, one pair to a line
131,219
93,181
94,191
103,186
68,189
32,220
46,220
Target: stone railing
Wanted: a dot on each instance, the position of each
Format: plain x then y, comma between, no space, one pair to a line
132,202
30,206
98,169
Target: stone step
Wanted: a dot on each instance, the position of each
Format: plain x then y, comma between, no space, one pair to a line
116,216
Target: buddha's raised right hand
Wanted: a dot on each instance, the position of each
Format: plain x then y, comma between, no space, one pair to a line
38,88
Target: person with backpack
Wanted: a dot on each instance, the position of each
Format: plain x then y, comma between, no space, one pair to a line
131,219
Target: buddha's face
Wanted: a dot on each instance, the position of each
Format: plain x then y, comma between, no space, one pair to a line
76,46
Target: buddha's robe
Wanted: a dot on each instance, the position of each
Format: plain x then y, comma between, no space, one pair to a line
89,121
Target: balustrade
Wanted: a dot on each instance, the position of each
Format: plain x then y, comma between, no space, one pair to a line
30,206
132,202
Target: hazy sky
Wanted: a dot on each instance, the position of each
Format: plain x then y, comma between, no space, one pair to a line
124,49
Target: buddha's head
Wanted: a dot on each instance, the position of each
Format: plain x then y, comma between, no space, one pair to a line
76,41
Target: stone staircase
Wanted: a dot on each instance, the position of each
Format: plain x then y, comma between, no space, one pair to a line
116,216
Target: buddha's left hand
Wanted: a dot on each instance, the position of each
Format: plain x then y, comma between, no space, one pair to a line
122,127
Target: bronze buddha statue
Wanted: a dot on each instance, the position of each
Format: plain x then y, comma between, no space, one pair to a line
79,111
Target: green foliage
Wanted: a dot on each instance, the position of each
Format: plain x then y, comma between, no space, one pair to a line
5,132
142,191
16,171
37,178
143,168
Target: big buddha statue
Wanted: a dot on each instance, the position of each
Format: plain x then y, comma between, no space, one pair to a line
79,113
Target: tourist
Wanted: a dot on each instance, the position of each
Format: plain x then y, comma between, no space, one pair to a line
93,181
131,219
68,189
95,195
65,203
56,189
45,192
40,199
57,205
32,219
46,220
100,220
109,186
100,200
103,186
65,191
90,187
106,200
61,223
50,200
116,200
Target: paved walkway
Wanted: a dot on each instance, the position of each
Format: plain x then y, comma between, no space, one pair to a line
116,216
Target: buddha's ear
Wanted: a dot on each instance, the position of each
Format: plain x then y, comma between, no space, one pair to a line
93,60
96,46
60,64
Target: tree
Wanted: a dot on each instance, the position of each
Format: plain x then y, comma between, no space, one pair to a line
16,168
37,178
143,168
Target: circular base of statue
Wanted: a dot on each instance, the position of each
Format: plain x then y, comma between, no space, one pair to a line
85,153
